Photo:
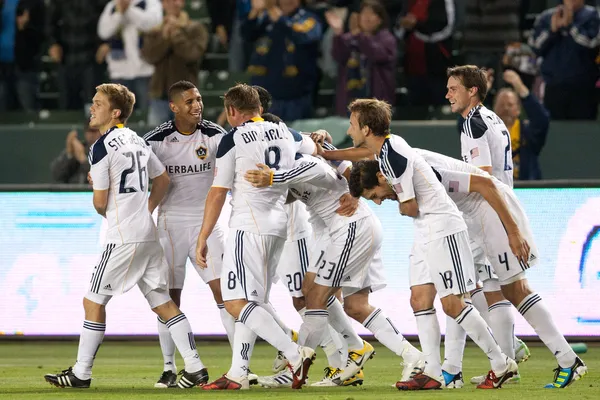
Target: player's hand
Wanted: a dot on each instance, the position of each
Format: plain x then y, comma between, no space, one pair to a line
320,150
261,177
348,205
519,246
201,253
321,136
89,178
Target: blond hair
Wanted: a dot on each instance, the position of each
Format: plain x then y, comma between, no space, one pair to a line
376,114
119,97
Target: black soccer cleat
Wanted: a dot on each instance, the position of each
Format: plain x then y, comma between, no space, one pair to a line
189,380
168,379
67,379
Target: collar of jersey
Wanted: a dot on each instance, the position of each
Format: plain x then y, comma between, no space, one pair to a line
477,107
117,126
256,119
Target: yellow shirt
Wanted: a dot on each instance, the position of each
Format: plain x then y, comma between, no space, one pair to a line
515,143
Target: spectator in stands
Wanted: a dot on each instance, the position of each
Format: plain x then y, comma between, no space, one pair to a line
568,37
427,28
489,26
72,165
121,24
366,56
227,22
175,48
21,34
527,136
75,45
287,39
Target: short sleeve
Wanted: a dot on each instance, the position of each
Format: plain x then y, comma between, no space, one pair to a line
99,166
213,143
225,168
155,167
304,144
399,173
455,181
474,142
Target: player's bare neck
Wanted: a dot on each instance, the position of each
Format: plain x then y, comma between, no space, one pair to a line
474,103
185,128
113,122
374,143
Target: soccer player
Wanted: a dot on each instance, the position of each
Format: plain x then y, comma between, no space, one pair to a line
187,146
485,143
350,260
121,163
256,236
441,259
498,224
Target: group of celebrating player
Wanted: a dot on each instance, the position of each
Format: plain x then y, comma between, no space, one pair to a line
297,216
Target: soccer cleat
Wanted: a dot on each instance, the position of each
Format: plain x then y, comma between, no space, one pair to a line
168,379
300,370
67,379
227,383
522,352
280,361
493,381
453,381
189,379
563,377
412,369
356,361
332,373
252,378
419,382
516,378
283,379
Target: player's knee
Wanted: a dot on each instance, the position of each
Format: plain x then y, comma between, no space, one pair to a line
516,290
493,297
452,305
215,287
299,303
234,307
353,310
418,302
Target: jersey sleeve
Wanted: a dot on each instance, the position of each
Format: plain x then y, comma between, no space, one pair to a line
225,168
155,167
475,142
455,181
304,144
213,143
99,166
399,172
307,171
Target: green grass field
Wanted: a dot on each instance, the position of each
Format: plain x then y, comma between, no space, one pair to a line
126,370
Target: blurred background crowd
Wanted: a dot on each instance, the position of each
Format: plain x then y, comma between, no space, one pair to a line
314,56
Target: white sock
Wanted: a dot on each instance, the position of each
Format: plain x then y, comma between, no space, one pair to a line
167,346
341,323
480,303
243,345
334,347
388,335
228,323
430,337
502,324
182,335
313,328
470,320
263,324
89,343
533,309
271,310
454,346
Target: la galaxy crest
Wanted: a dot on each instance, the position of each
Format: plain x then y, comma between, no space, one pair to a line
201,152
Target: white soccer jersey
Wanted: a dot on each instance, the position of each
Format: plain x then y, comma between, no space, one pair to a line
411,177
320,187
485,142
190,162
298,225
257,210
122,162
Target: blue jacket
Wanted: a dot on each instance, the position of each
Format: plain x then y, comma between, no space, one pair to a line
534,131
285,57
569,54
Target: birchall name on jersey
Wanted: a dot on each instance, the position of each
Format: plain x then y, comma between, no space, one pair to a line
271,134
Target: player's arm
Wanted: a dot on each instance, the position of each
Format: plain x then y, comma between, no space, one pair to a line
99,173
353,154
304,144
318,174
160,181
401,177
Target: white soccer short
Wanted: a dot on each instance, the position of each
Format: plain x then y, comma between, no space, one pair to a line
446,262
488,231
179,245
485,271
249,265
122,266
294,262
352,259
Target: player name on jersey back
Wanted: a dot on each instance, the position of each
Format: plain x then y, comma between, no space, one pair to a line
122,162
190,162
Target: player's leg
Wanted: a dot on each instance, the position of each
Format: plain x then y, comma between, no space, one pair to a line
454,276
174,243
212,274
153,284
536,313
